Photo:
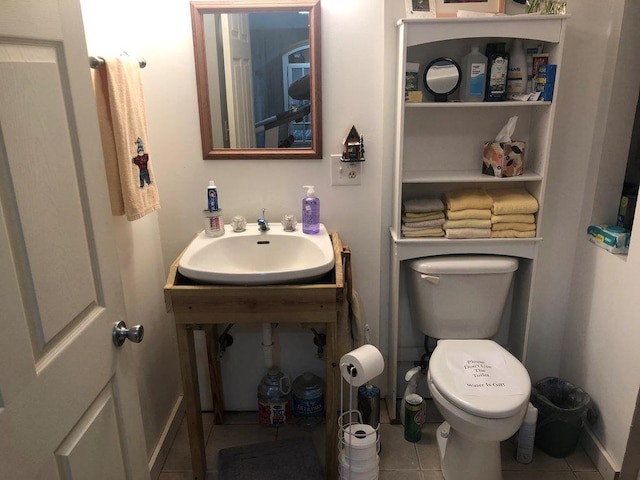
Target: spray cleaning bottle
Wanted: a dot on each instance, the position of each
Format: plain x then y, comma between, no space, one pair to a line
412,387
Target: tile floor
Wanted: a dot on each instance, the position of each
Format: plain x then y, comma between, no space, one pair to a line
399,459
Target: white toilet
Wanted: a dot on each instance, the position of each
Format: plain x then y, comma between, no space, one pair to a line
481,390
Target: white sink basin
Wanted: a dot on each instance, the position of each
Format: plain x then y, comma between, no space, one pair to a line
258,258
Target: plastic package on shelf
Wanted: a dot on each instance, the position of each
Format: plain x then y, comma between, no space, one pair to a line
612,238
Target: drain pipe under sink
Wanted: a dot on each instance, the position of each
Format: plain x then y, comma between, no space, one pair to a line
267,345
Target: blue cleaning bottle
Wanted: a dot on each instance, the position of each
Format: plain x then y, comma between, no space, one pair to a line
310,211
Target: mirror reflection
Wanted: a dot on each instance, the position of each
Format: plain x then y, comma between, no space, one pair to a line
442,77
258,79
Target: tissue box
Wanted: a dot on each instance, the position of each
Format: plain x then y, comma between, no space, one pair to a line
503,159
612,238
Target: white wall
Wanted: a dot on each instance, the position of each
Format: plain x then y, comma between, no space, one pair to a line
600,345
582,326
139,249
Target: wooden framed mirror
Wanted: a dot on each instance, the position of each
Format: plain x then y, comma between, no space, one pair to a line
258,78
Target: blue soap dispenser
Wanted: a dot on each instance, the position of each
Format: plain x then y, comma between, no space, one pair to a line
310,211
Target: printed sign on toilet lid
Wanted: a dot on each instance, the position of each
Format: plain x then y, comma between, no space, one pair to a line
482,374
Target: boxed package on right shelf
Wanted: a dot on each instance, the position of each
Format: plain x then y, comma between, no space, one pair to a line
612,238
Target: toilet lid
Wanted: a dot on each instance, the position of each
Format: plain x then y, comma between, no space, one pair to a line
480,377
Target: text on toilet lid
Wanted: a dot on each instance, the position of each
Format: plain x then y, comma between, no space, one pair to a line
482,374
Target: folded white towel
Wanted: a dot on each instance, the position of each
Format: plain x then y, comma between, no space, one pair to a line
468,233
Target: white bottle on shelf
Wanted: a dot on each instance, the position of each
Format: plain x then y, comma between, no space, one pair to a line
474,71
517,77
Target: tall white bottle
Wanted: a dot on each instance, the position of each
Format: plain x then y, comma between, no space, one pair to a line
474,73
527,435
517,77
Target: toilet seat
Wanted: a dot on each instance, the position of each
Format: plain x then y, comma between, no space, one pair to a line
490,406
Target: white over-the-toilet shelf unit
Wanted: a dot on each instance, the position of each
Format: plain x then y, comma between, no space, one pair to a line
438,147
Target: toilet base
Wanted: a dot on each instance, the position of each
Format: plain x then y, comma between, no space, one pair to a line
463,458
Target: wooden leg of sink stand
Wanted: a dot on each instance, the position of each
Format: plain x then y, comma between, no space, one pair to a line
187,353
331,418
215,378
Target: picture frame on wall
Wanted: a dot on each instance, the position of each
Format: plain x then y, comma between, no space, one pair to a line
420,8
449,8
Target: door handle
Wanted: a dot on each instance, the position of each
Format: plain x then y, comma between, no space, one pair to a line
122,333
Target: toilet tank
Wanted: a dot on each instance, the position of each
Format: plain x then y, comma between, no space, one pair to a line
459,296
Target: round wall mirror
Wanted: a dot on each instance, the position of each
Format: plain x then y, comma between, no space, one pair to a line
442,77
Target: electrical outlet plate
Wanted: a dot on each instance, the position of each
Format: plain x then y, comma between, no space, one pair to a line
345,173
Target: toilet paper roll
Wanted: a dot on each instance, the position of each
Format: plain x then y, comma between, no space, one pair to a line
360,435
361,365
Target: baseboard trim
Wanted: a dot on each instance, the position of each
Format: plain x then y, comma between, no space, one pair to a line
599,456
166,439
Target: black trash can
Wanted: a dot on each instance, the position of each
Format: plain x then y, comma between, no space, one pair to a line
562,411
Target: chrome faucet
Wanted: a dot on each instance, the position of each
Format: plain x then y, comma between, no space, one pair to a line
263,225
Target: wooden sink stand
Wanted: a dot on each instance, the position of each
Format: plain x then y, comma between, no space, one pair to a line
203,307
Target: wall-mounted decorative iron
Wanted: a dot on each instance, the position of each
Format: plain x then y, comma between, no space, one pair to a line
353,146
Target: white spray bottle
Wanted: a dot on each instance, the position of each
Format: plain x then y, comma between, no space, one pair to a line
412,387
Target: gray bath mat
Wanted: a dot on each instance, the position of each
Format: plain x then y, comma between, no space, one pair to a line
290,459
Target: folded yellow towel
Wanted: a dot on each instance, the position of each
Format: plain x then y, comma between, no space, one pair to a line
421,205
512,200
426,232
517,217
467,198
478,213
521,227
513,234
468,233
468,223
420,217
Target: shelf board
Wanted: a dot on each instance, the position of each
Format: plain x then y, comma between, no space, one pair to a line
408,248
474,104
464,176
488,19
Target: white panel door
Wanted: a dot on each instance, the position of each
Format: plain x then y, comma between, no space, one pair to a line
69,405
236,47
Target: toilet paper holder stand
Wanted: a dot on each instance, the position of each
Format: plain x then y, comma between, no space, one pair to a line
347,420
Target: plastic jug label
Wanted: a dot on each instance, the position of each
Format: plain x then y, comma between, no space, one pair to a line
274,413
477,79
308,407
482,374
